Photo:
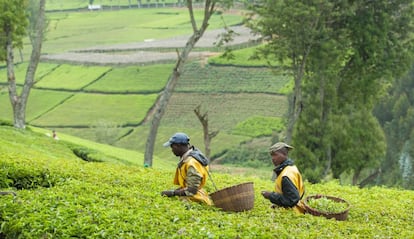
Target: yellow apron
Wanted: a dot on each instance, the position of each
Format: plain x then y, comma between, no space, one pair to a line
181,174
294,175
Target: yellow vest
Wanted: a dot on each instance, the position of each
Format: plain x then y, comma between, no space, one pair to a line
294,175
181,175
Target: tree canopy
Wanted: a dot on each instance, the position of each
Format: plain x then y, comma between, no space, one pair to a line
342,56
13,22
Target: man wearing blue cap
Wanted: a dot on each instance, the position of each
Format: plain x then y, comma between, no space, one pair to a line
192,170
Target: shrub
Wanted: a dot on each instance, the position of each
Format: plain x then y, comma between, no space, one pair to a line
5,122
247,157
87,154
17,176
257,126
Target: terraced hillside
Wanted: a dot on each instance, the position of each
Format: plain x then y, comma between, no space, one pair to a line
117,98
106,93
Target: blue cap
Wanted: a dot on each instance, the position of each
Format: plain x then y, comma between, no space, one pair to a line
177,138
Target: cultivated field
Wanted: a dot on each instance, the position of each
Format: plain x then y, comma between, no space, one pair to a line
59,195
104,90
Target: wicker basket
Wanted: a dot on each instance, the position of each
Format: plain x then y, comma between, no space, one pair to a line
340,216
236,198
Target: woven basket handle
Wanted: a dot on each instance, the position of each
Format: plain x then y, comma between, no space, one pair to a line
211,178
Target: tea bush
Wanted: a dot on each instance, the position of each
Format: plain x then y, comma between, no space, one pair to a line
327,205
106,200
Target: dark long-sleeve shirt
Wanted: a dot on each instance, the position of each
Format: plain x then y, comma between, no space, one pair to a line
290,195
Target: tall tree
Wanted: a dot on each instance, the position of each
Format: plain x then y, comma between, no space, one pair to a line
396,114
289,29
160,106
14,23
381,46
341,54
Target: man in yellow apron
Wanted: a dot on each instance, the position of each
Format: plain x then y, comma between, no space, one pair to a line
289,187
192,170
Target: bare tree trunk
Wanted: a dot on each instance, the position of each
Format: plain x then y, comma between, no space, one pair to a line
19,102
328,163
356,176
295,102
162,103
371,177
207,135
11,78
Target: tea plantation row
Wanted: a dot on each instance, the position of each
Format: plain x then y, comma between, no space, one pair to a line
62,196
111,104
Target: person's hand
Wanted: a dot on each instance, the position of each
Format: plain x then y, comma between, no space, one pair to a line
168,193
266,194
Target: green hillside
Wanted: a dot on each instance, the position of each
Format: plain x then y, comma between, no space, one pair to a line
62,196
113,104
89,101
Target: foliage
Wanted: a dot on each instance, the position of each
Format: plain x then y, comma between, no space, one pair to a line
327,205
257,126
395,113
221,143
106,132
91,155
71,77
145,79
242,57
13,23
129,110
104,200
233,80
6,123
44,103
343,55
61,81
225,110
368,146
20,72
219,79
247,157
120,155
40,101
